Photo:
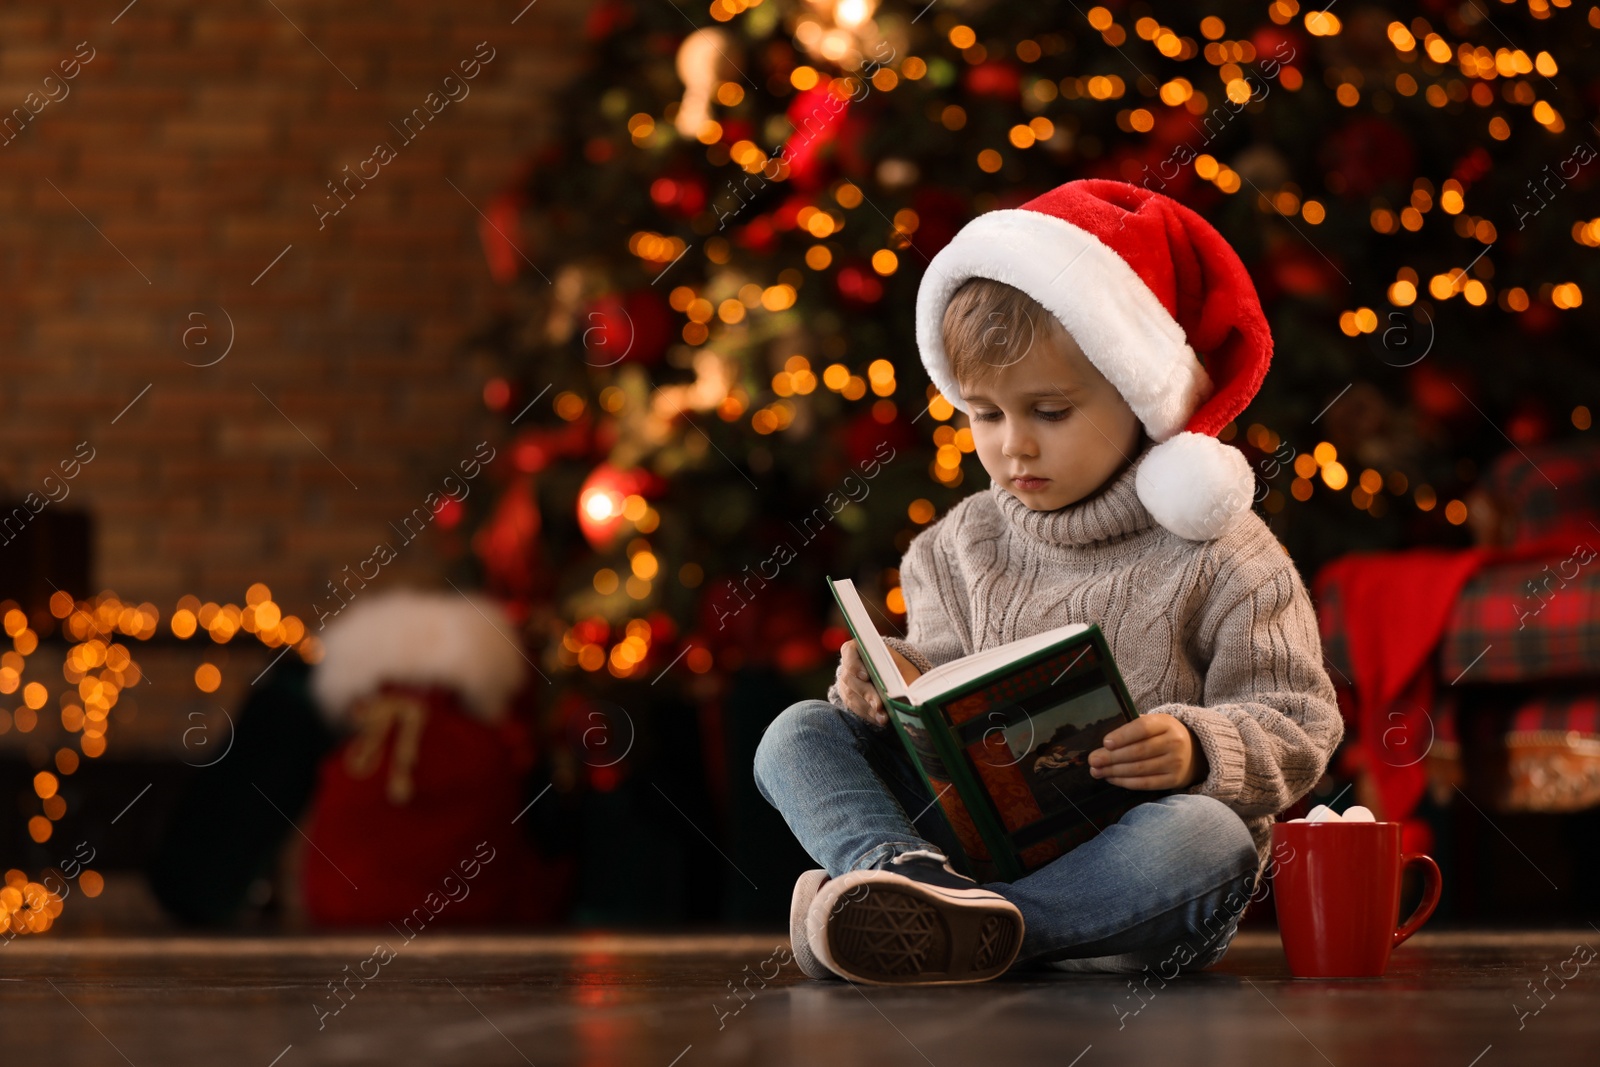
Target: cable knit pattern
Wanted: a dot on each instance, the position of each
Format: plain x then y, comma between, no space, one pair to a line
1220,634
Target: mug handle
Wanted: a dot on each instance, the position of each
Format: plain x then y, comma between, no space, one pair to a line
1431,884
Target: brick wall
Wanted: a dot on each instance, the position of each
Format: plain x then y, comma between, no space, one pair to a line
195,139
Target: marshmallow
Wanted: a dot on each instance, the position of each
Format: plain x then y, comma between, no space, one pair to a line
1323,813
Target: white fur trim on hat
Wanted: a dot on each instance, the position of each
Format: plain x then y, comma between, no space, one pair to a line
1195,485
413,637
1107,308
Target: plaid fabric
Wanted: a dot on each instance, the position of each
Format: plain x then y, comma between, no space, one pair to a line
1521,622
1555,491
1488,641
1534,620
1563,709
1580,712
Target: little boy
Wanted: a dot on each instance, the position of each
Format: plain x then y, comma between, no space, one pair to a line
1072,332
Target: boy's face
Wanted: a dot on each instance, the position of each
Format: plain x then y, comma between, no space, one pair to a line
1048,427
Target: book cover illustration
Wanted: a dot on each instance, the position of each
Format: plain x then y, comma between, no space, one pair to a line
1027,736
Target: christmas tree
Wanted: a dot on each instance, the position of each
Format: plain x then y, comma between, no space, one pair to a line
708,360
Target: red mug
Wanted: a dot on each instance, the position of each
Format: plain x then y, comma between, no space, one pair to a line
1336,886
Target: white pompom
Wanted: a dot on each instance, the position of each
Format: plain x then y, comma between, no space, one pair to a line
1195,486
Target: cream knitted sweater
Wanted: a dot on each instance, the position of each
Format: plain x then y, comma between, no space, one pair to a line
1219,634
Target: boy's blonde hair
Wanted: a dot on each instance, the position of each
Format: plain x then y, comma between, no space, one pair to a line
989,325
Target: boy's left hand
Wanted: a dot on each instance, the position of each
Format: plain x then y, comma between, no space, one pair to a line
1152,752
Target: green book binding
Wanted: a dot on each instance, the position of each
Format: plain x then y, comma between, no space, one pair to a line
1002,739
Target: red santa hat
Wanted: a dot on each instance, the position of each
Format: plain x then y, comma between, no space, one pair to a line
1160,304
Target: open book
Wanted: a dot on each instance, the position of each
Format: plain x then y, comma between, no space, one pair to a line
1002,738
946,676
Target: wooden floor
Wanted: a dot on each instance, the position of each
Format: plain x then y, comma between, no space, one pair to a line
1450,999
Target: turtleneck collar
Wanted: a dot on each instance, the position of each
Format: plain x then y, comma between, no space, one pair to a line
1112,513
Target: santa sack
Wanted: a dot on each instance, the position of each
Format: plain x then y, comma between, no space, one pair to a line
411,822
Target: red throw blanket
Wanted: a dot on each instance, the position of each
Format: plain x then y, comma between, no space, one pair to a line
1395,609
1396,606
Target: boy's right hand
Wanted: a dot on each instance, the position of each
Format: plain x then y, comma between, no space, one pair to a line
855,683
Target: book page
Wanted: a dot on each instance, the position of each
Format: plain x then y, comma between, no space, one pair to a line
948,676
874,649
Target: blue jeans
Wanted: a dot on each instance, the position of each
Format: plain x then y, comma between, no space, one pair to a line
1162,888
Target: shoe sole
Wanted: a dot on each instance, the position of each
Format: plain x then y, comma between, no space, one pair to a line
805,891
886,929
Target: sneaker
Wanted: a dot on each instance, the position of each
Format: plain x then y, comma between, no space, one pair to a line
805,891
914,922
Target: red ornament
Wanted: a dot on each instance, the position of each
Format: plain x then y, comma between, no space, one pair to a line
1274,44
816,115
790,632
1437,393
601,500
592,631
799,654
606,18
940,213
868,441
1472,166
995,78
653,323
496,394
609,338
786,216
1368,153
682,194
448,513
500,231
604,779
1298,270
635,327
662,629
507,543
1157,169
1540,318
529,454
769,623
854,149
859,285
736,130
758,236
1529,424
536,446
834,637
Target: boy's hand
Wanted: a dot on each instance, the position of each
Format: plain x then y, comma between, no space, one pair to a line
855,683
1151,752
